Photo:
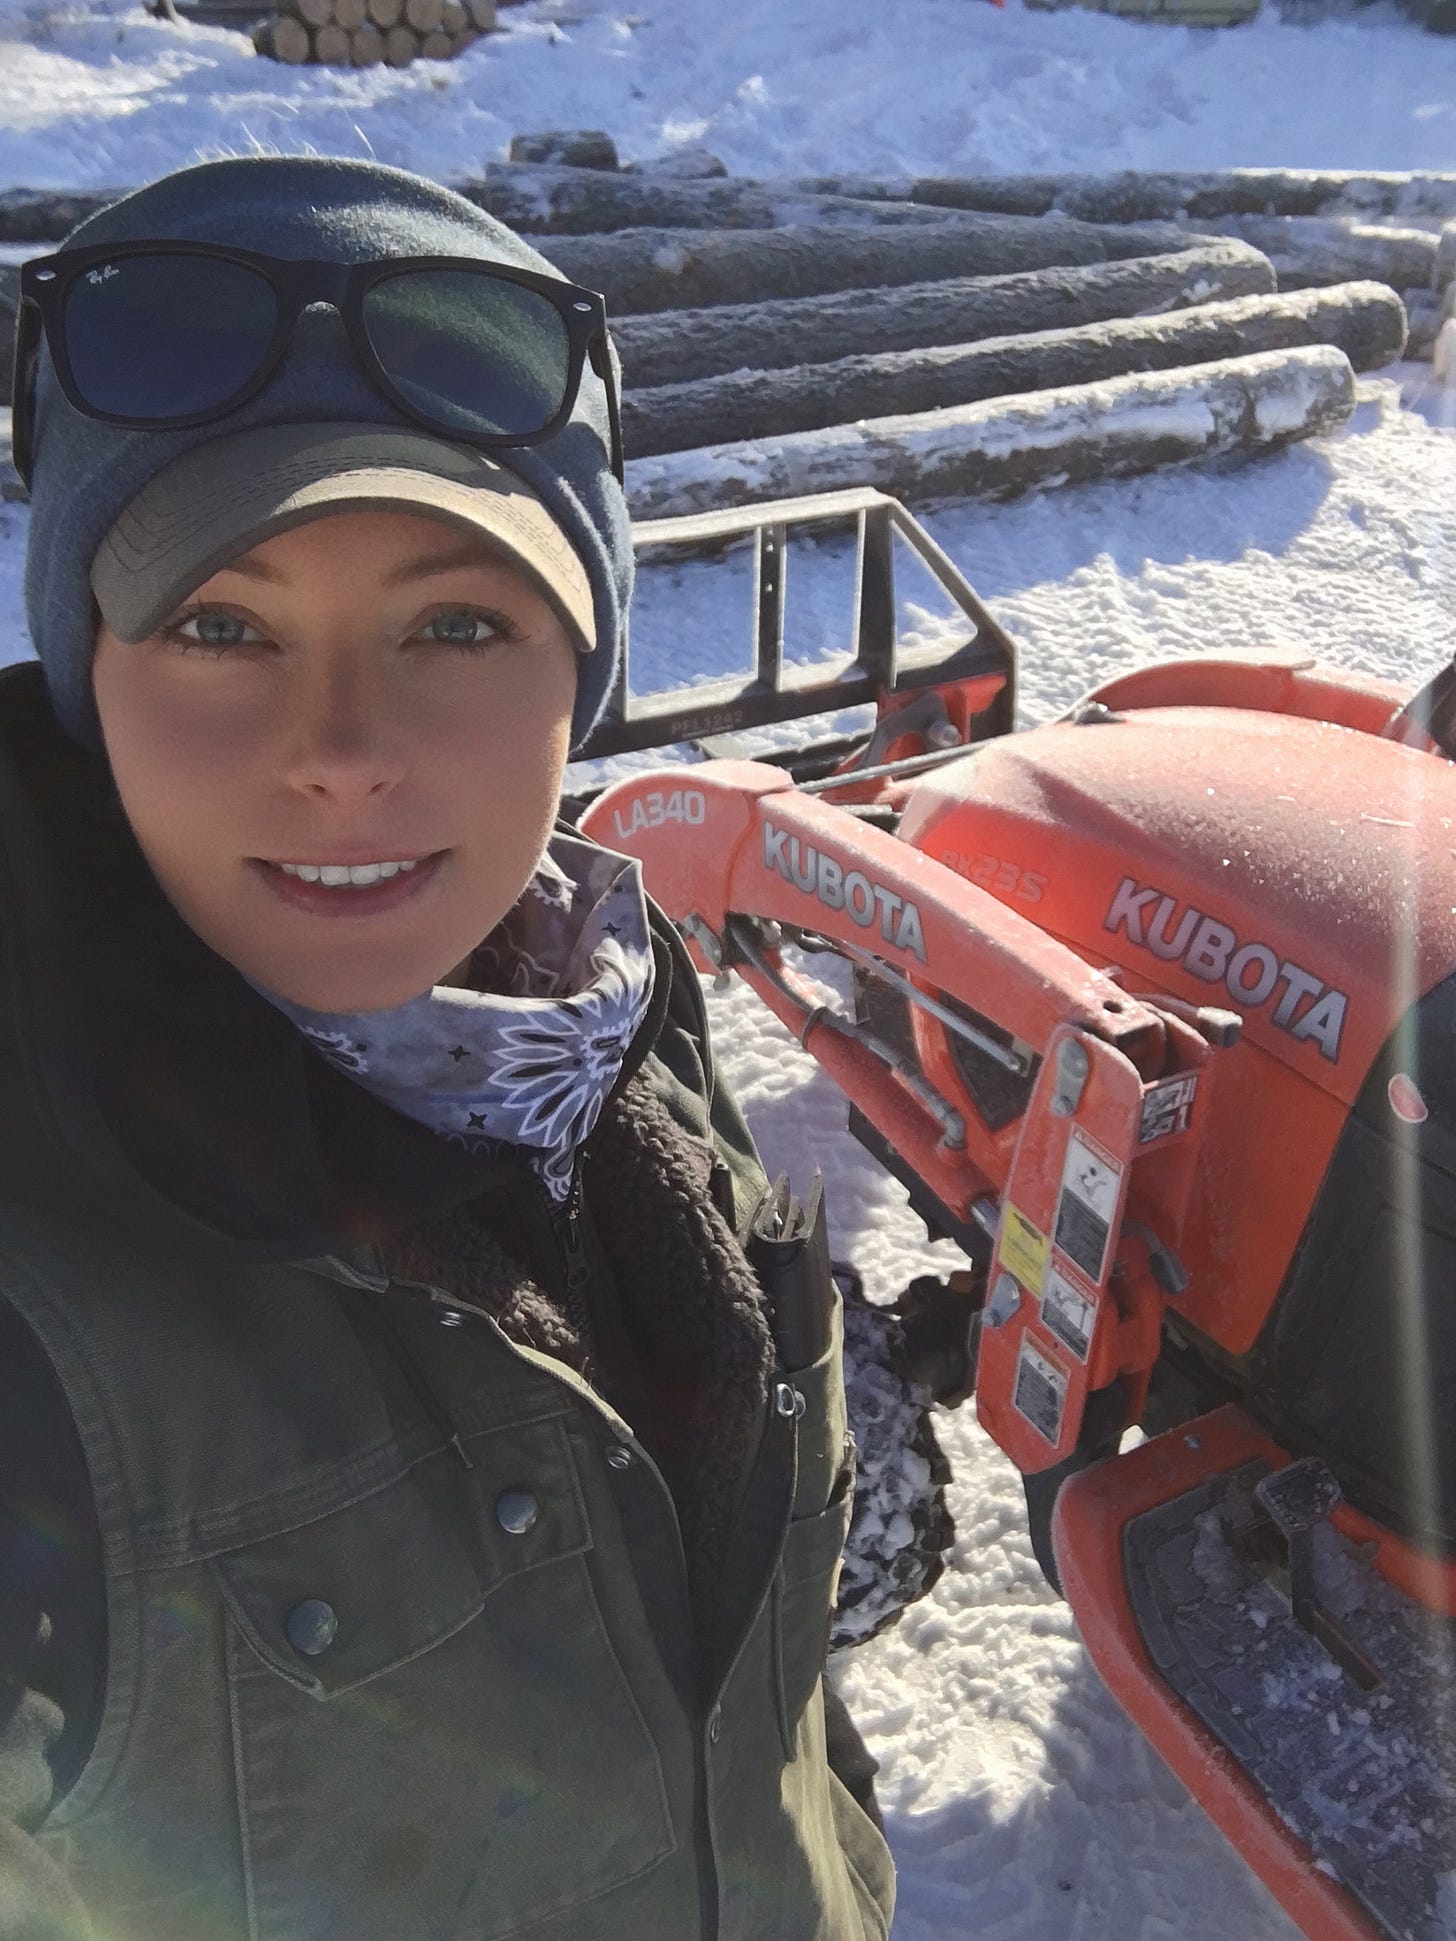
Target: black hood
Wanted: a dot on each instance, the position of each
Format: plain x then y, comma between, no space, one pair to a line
144,1074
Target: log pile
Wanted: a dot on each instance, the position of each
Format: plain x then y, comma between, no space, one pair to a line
366,33
956,335
1364,321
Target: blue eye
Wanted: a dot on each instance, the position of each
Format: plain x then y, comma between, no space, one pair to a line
219,629
462,628
215,630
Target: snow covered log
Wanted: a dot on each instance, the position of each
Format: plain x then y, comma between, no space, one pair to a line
1148,195
9,304
668,347
682,269
1010,445
1311,250
1364,320
558,201
1424,317
10,486
46,215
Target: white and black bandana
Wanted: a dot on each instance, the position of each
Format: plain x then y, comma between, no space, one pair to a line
527,1060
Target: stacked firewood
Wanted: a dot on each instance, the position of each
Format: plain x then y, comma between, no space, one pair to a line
363,33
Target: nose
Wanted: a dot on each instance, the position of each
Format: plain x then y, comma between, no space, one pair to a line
343,745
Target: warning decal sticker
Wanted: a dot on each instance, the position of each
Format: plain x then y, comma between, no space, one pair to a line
1024,1248
1041,1391
1091,1181
1067,1313
1167,1108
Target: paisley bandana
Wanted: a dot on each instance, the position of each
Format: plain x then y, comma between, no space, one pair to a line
528,1055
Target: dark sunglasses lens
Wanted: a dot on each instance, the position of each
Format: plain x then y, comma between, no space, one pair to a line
165,336
469,350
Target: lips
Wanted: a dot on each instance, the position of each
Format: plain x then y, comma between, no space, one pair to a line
385,885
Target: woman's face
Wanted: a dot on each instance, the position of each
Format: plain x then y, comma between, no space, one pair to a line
372,688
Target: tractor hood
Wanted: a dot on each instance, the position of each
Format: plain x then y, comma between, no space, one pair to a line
1300,873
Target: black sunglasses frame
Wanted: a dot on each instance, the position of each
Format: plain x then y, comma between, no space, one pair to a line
45,282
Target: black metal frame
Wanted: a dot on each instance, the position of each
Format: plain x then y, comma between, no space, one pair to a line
45,281
769,694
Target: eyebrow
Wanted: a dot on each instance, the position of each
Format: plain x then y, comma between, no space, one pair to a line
471,552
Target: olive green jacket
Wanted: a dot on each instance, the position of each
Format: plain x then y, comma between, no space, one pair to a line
402,1640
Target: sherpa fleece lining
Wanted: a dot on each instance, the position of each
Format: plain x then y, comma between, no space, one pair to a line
691,1305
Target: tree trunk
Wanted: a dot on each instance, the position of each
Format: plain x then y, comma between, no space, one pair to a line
46,215
351,15
291,42
384,14
331,47
1364,320
10,486
437,46
682,269
557,200
482,14
1443,275
1310,250
1150,195
669,347
1423,322
9,304
1008,446
423,15
401,46
366,47
313,13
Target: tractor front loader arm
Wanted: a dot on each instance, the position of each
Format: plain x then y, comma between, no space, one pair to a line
1082,1191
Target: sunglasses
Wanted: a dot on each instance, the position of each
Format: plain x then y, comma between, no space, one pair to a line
160,334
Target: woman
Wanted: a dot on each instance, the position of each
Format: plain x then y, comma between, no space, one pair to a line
406,1526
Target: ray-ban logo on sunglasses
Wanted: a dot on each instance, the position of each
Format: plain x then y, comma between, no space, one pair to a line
101,275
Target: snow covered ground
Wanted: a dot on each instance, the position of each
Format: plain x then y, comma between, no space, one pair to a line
92,91
1022,1805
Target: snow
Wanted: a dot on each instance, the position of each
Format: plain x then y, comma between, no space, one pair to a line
103,94
1021,1803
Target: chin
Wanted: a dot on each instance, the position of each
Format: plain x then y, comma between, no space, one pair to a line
352,994
343,987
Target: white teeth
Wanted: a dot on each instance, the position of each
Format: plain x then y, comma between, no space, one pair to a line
336,876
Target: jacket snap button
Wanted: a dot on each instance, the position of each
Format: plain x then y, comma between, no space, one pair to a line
715,1727
451,1318
516,1510
618,1457
311,1626
785,1400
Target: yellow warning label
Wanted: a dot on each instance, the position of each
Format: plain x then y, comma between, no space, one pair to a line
1023,1248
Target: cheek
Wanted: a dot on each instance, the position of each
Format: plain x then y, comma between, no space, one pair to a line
180,760
509,741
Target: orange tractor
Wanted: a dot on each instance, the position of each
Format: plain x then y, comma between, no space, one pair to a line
1152,1009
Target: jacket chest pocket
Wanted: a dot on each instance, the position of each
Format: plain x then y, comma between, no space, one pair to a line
428,1712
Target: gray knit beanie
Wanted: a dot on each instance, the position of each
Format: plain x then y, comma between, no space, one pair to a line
86,473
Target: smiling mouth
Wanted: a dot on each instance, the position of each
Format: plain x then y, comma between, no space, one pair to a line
347,876
342,889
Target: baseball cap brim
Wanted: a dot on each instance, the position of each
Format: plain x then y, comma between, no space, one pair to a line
224,497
